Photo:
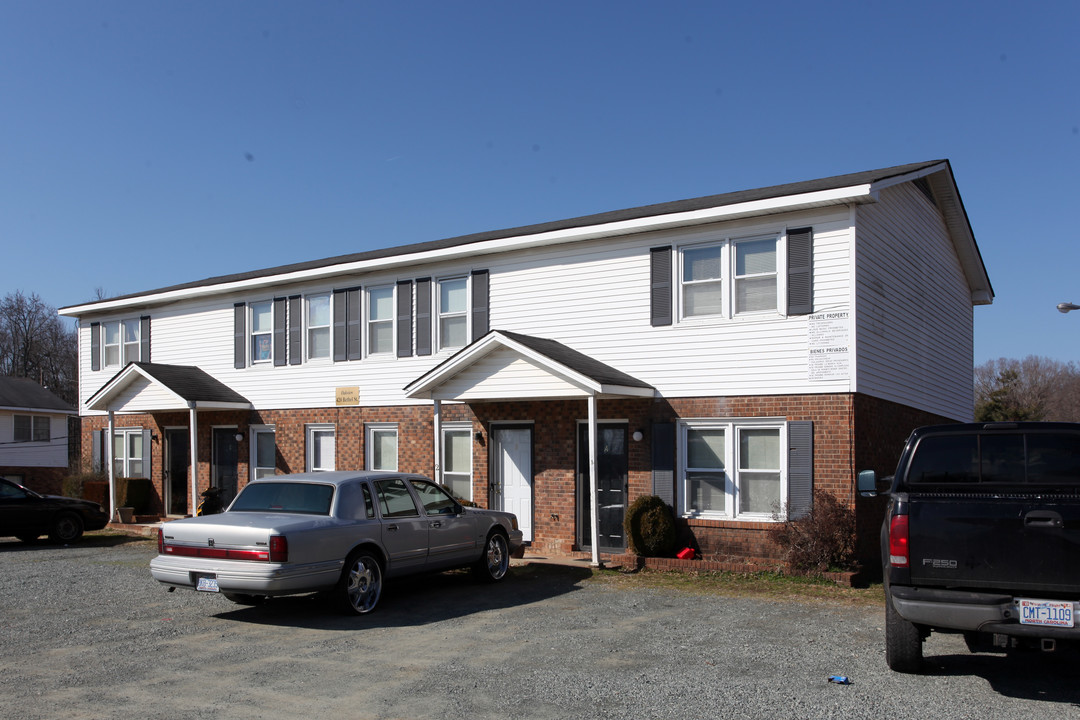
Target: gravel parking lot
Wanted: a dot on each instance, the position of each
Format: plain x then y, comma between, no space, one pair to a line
86,633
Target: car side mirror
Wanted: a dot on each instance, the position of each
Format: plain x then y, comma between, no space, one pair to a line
869,484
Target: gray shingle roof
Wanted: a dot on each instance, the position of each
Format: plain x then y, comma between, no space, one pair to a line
25,393
188,382
708,201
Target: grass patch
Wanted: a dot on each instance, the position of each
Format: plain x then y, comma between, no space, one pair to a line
764,585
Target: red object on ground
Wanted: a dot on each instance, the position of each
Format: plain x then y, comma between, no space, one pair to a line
686,554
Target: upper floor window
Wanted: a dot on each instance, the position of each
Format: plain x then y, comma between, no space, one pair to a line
380,319
32,428
121,342
731,469
453,312
262,331
318,326
733,277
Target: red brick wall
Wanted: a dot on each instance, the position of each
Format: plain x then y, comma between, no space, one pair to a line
44,480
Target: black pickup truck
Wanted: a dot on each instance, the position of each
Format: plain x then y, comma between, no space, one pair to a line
981,537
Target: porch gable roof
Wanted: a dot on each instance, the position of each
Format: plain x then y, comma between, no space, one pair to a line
174,387
573,374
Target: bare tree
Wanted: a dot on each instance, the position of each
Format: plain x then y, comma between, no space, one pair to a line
35,344
1035,388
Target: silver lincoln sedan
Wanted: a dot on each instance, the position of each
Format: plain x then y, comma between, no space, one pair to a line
340,533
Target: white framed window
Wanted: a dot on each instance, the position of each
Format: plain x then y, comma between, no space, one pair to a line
32,428
261,324
730,278
110,344
453,312
318,326
381,446
128,452
320,448
263,461
131,340
457,461
732,469
380,320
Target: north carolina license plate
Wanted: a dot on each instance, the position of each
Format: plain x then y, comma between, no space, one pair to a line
207,583
1049,613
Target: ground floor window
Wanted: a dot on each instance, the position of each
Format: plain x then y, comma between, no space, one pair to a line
382,446
128,452
732,468
320,448
457,460
263,451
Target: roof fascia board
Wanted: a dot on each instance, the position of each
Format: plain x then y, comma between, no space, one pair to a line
879,185
836,196
42,411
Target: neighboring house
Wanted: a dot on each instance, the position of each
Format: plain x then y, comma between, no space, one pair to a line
33,435
730,353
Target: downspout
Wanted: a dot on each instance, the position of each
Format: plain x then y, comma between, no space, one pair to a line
594,511
112,469
194,451
437,425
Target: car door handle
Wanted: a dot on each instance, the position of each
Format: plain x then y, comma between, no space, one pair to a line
391,528
1043,519
436,524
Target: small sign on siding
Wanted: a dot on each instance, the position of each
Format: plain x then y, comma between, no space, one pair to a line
829,341
347,396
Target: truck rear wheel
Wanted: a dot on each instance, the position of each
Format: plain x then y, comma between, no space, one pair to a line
903,641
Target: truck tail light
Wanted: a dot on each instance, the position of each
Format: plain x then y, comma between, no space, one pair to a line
898,541
279,549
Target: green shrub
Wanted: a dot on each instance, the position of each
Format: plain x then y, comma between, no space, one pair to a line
650,527
821,541
73,486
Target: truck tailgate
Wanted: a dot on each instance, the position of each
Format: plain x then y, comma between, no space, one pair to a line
1023,542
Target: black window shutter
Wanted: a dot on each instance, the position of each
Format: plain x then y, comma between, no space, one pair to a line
660,286
144,338
97,446
423,316
663,461
341,348
95,346
404,318
147,450
800,271
296,331
280,332
239,335
480,311
800,468
354,323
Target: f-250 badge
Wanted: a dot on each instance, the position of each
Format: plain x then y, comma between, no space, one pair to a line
938,564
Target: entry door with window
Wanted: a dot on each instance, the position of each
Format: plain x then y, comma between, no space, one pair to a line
224,468
512,475
612,464
177,470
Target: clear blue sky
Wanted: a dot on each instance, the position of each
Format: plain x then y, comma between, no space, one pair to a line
149,143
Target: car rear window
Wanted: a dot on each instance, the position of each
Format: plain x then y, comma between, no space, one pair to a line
1042,458
285,497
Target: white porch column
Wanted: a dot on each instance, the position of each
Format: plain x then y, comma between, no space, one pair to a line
437,424
594,510
193,436
112,469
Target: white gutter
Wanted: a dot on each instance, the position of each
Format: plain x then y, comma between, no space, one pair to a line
517,242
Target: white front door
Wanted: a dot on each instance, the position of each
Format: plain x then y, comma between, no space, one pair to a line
512,479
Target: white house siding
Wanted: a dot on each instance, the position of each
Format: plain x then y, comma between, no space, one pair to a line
914,321
592,296
34,454
502,374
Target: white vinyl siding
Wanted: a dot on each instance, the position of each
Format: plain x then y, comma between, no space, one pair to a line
914,328
50,453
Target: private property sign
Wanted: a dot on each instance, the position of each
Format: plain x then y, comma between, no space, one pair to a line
829,338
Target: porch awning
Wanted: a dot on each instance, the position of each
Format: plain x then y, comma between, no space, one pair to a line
152,387
506,365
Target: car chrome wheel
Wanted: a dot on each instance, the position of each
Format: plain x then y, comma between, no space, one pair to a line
362,584
496,558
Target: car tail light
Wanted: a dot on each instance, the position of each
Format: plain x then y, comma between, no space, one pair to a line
279,549
160,541
898,541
